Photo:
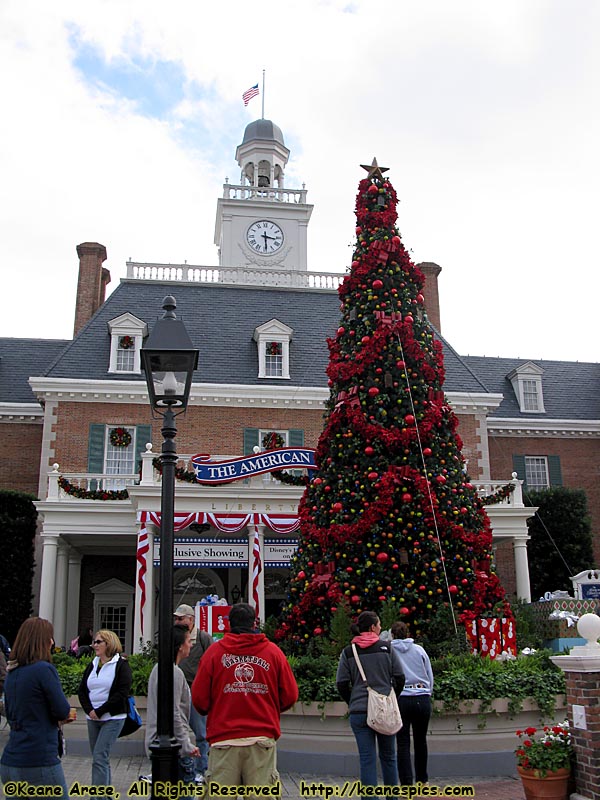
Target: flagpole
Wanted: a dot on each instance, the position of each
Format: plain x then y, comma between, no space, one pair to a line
263,97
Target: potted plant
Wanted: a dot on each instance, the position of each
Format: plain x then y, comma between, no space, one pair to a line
544,759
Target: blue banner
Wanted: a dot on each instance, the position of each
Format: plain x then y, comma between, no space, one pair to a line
208,471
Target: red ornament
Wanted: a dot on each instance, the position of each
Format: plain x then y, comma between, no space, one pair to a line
369,450
406,497
409,419
373,391
318,631
422,588
337,506
355,599
440,479
358,231
365,339
372,476
400,364
377,284
355,264
408,318
396,240
301,575
420,298
382,557
318,481
372,189
453,589
404,610
427,451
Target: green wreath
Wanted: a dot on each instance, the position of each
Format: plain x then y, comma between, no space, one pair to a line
272,441
120,437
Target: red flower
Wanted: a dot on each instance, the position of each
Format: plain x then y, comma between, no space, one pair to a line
530,731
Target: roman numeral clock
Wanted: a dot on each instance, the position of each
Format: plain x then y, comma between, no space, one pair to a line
265,237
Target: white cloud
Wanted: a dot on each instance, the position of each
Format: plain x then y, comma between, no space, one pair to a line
486,113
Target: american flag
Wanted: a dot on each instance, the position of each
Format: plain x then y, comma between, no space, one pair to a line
143,547
256,570
250,93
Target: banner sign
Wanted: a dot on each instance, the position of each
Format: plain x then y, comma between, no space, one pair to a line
278,552
207,553
226,552
236,469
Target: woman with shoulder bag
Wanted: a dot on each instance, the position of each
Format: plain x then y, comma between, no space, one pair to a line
103,694
35,707
384,674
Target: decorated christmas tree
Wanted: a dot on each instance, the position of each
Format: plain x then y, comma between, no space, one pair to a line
390,514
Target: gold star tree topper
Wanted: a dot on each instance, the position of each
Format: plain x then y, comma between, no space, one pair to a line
374,170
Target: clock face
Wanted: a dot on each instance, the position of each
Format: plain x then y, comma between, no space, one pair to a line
264,237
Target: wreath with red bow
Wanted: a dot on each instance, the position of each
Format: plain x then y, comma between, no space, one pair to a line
120,437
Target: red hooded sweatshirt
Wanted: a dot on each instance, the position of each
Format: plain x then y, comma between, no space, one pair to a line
243,683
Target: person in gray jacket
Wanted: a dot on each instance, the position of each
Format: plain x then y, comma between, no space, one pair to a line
384,674
182,731
415,704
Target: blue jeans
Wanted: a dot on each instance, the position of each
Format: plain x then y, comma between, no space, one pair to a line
187,769
416,713
369,741
198,725
36,776
102,736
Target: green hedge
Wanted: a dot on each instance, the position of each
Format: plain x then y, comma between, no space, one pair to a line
18,520
462,677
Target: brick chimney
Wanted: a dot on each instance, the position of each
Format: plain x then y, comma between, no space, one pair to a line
430,292
91,286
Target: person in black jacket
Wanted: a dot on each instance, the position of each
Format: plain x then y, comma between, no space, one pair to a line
103,694
383,671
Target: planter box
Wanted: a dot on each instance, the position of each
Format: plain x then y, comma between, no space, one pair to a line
317,739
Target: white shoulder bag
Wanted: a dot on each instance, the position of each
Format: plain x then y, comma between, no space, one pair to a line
383,714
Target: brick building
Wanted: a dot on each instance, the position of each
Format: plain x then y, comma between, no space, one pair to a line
260,321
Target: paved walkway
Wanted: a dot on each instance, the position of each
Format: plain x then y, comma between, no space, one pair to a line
127,769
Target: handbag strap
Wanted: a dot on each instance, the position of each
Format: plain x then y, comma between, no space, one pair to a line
360,666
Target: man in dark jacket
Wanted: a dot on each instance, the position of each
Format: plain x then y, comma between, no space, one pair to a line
189,666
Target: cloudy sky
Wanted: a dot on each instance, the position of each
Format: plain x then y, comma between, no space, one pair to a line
120,120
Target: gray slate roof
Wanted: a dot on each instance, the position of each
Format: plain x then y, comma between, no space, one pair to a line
571,389
221,321
21,358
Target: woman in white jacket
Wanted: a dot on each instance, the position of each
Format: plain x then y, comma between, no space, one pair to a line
185,736
415,705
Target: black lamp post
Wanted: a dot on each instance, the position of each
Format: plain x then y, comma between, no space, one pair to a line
169,360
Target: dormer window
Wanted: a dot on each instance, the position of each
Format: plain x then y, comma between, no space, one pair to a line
527,384
273,340
126,336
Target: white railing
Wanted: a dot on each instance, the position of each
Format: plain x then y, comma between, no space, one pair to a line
271,194
514,499
234,276
87,482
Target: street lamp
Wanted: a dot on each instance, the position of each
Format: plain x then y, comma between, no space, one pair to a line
169,360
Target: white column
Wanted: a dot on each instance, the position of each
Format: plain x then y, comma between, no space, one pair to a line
522,569
60,594
261,577
148,633
73,591
48,577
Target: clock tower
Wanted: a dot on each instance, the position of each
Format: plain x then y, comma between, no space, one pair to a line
260,222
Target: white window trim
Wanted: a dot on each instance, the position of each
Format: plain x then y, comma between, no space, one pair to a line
537,487
126,325
273,331
527,372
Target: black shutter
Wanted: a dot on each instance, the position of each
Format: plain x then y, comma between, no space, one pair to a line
296,437
250,440
519,468
143,434
96,452
554,471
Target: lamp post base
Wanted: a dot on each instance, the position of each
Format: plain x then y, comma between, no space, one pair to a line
164,754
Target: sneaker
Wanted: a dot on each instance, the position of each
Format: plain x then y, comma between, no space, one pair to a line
146,778
199,778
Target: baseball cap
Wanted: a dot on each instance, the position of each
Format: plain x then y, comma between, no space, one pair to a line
183,611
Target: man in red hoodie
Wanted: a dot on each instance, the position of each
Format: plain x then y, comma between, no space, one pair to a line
243,684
